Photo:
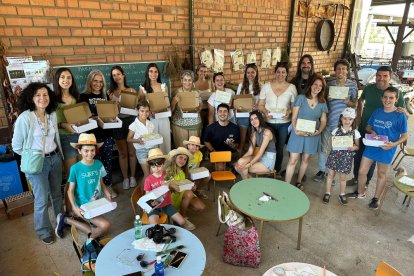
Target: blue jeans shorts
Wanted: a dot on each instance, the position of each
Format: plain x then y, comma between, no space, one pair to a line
268,160
65,140
142,155
243,122
169,210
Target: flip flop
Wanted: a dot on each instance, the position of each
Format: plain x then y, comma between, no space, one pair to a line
300,186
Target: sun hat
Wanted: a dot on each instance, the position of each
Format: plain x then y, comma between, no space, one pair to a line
156,154
349,113
194,140
179,151
86,139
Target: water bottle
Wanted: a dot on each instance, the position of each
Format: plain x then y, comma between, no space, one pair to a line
138,227
159,267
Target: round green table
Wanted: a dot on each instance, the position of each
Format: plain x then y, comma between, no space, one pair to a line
287,203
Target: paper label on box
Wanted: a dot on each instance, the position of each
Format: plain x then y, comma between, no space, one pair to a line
306,125
338,92
342,142
223,97
97,207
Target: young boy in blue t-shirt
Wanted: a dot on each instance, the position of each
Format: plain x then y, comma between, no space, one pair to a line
86,185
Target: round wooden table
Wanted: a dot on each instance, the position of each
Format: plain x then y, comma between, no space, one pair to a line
288,203
291,267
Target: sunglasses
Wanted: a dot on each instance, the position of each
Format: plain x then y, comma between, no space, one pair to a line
157,164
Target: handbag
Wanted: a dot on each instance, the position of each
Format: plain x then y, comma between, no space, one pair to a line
32,160
241,246
227,214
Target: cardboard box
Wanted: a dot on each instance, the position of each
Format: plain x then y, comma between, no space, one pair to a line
163,114
153,199
158,101
184,185
107,114
78,116
306,125
97,207
243,103
19,205
189,101
199,173
205,95
374,140
342,142
128,102
153,139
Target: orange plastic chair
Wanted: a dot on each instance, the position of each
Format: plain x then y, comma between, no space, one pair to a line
256,150
384,269
220,157
136,194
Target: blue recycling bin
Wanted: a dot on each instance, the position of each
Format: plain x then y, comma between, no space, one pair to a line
10,183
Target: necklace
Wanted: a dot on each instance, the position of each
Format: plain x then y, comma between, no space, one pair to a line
44,129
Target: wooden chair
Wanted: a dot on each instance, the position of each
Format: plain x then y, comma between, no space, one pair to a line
259,174
405,152
220,157
136,194
384,269
78,248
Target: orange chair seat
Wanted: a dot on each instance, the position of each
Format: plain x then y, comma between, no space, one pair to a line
162,219
222,176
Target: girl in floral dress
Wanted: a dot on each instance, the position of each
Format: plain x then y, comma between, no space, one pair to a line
340,161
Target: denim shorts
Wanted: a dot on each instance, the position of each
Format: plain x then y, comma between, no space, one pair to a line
243,122
169,210
65,140
142,155
268,160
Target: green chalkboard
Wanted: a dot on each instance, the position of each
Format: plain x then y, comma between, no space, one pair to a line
135,73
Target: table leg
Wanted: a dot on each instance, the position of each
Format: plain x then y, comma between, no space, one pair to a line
299,233
261,230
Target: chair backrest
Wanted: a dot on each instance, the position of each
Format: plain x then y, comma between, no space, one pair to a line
220,156
76,241
136,194
384,269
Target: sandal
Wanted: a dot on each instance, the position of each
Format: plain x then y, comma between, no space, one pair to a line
300,186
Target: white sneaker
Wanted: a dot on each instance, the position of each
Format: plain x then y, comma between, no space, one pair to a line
188,225
132,182
125,184
112,192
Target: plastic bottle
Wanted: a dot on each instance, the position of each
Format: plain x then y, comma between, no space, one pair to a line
138,227
159,267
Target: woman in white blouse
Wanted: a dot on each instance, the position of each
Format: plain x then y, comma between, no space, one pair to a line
276,101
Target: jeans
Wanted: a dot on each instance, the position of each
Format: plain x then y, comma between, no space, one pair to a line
357,161
281,134
45,184
325,142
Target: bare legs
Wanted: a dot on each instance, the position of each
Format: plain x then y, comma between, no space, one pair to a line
126,153
381,176
293,160
189,199
244,172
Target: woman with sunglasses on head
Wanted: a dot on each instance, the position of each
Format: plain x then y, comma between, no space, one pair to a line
153,84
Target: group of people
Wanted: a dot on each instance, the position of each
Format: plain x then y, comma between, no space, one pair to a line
257,142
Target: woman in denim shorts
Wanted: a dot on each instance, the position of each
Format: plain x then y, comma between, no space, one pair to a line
261,155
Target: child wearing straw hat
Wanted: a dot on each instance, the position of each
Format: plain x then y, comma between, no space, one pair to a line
178,170
156,160
85,185
193,145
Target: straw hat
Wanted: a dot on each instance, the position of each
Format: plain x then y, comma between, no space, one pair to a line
86,139
179,151
156,154
194,140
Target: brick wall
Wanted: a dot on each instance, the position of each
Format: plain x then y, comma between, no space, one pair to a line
92,31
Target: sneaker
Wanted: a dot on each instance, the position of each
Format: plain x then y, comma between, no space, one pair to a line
319,177
47,240
188,225
132,182
355,195
326,198
352,182
201,194
125,184
112,192
60,225
343,200
374,203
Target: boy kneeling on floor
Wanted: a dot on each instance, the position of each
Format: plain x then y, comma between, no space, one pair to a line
86,185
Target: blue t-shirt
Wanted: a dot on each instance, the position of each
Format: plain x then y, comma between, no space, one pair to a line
391,124
87,181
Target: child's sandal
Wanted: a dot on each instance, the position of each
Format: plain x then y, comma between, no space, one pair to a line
300,186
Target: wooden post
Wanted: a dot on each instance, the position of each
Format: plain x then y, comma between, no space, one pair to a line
400,36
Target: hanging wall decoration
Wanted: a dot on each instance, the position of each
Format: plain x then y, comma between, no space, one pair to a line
266,58
237,60
206,58
276,56
251,58
218,64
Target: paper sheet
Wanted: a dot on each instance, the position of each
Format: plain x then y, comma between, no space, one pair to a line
407,181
